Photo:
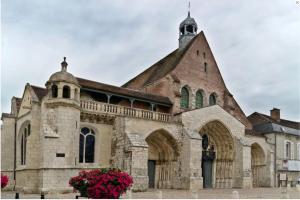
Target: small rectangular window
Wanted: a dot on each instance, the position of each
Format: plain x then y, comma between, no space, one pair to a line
205,67
204,55
287,150
197,52
60,155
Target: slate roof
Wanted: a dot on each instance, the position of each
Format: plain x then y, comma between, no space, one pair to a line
259,118
164,66
84,83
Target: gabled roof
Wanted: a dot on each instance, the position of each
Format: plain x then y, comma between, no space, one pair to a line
164,66
18,103
39,91
84,83
259,118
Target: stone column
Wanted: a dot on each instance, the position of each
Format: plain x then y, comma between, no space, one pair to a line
242,164
247,178
191,161
139,168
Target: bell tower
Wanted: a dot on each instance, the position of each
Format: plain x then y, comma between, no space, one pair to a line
187,30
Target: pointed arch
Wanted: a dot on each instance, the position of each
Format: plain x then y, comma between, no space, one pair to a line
221,144
24,133
163,152
258,164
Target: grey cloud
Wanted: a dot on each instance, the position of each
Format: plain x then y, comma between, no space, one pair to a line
254,42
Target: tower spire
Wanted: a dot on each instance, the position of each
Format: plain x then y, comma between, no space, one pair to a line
187,29
189,9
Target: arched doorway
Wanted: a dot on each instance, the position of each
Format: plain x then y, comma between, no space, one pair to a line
257,165
162,157
217,155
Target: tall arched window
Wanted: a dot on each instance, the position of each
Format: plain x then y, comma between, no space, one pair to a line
86,145
212,99
199,99
66,91
54,91
24,137
184,102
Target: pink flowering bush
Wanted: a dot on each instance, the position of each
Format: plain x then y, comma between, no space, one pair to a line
102,183
4,180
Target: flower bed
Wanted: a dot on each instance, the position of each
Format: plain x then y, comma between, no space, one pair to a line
4,180
101,183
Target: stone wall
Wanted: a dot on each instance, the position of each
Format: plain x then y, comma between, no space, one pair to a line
7,148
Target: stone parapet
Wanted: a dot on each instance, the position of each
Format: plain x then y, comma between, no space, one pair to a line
98,107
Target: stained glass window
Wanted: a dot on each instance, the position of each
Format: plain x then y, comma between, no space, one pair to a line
199,99
184,103
86,145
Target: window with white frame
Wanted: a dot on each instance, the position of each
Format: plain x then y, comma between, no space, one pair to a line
86,145
288,149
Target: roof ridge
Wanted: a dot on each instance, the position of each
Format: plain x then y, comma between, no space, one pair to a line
155,67
281,119
38,87
149,68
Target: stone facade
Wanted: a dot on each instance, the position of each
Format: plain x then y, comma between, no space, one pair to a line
142,128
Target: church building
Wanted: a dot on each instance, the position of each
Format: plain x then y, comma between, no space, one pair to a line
175,125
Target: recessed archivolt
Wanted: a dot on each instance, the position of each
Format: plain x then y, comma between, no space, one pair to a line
223,143
162,146
221,136
257,155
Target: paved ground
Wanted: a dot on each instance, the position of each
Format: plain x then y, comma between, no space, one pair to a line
270,193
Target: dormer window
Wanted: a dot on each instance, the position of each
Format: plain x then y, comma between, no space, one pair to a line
66,91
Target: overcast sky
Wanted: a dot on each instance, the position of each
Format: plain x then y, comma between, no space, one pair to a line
256,44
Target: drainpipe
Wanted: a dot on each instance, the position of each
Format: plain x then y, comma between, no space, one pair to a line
15,153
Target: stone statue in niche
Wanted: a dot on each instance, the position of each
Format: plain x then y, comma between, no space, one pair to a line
49,126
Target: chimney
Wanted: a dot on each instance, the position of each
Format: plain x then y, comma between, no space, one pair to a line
275,114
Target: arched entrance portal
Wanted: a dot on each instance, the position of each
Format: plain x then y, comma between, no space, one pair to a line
162,157
217,155
257,165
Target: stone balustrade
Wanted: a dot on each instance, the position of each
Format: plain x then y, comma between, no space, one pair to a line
100,107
